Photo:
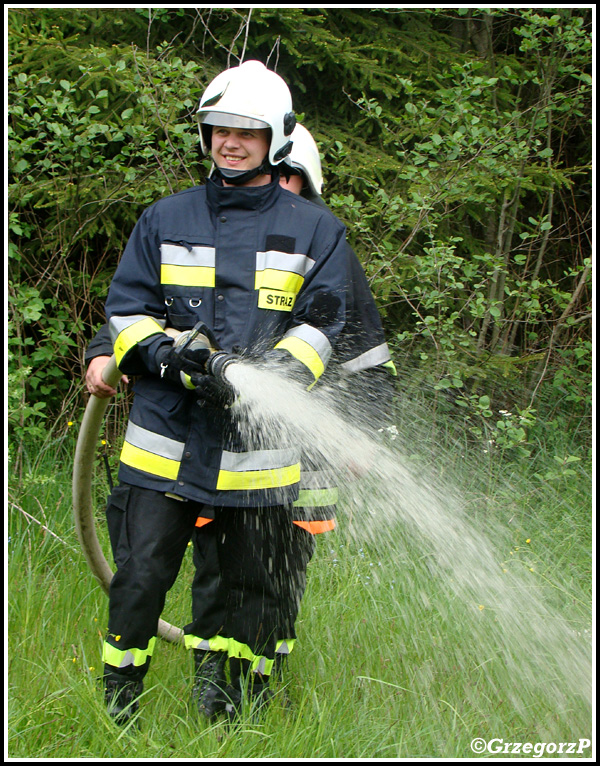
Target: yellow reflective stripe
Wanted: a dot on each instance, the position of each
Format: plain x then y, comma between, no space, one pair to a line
188,276
232,648
121,658
316,497
391,367
304,353
135,457
133,334
186,380
265,479
286,281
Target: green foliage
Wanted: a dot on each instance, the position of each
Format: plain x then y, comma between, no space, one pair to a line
88,152
455,143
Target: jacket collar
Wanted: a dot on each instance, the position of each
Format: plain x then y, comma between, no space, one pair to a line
244,197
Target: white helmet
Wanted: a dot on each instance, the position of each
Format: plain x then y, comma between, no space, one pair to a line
249,96
305,157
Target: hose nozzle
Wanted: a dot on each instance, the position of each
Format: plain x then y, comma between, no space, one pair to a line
218,362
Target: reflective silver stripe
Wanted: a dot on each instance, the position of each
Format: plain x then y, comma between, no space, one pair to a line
317,480
258,460
294,262
152,442
315,338
117,325
284,647
128,659
177,255
371,358
261,667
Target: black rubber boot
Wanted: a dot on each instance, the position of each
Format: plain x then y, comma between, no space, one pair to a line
122,699
258,692
280,666
210,693
251,692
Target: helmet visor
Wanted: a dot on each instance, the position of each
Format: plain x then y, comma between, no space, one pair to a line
226,120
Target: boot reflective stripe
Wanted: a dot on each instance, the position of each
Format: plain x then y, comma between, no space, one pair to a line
126,332
371,358
232,648
189,268
150,452
316,527
261,469
281,271
316,498
122,658
285,646
309,346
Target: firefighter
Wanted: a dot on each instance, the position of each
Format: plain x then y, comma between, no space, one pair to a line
314,510
266,272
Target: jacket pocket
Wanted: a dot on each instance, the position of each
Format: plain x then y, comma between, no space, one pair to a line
161,393
183,311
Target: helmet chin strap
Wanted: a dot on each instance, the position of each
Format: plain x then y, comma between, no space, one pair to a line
240,177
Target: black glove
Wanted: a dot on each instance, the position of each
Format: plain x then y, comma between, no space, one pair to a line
196,361
183,367
185,359
213,392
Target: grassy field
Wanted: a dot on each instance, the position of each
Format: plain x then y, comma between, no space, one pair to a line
392,661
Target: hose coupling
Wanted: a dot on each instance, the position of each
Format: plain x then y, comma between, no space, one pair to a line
217,364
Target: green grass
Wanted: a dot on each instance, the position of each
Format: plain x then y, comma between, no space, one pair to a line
391,662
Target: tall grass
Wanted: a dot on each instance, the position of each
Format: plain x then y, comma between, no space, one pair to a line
390,662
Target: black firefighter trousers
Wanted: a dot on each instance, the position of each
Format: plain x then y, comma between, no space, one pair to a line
253,598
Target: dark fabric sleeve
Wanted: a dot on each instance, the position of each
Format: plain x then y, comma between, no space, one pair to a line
100,345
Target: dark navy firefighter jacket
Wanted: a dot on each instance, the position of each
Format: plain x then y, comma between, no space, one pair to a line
263,268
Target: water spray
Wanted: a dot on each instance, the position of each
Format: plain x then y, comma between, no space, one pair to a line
386,489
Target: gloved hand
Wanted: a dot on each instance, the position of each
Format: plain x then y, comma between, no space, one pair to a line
181,367
213,392
196,361
215,388
185,359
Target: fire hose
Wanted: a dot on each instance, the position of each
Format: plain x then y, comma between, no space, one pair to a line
83,507
83,467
